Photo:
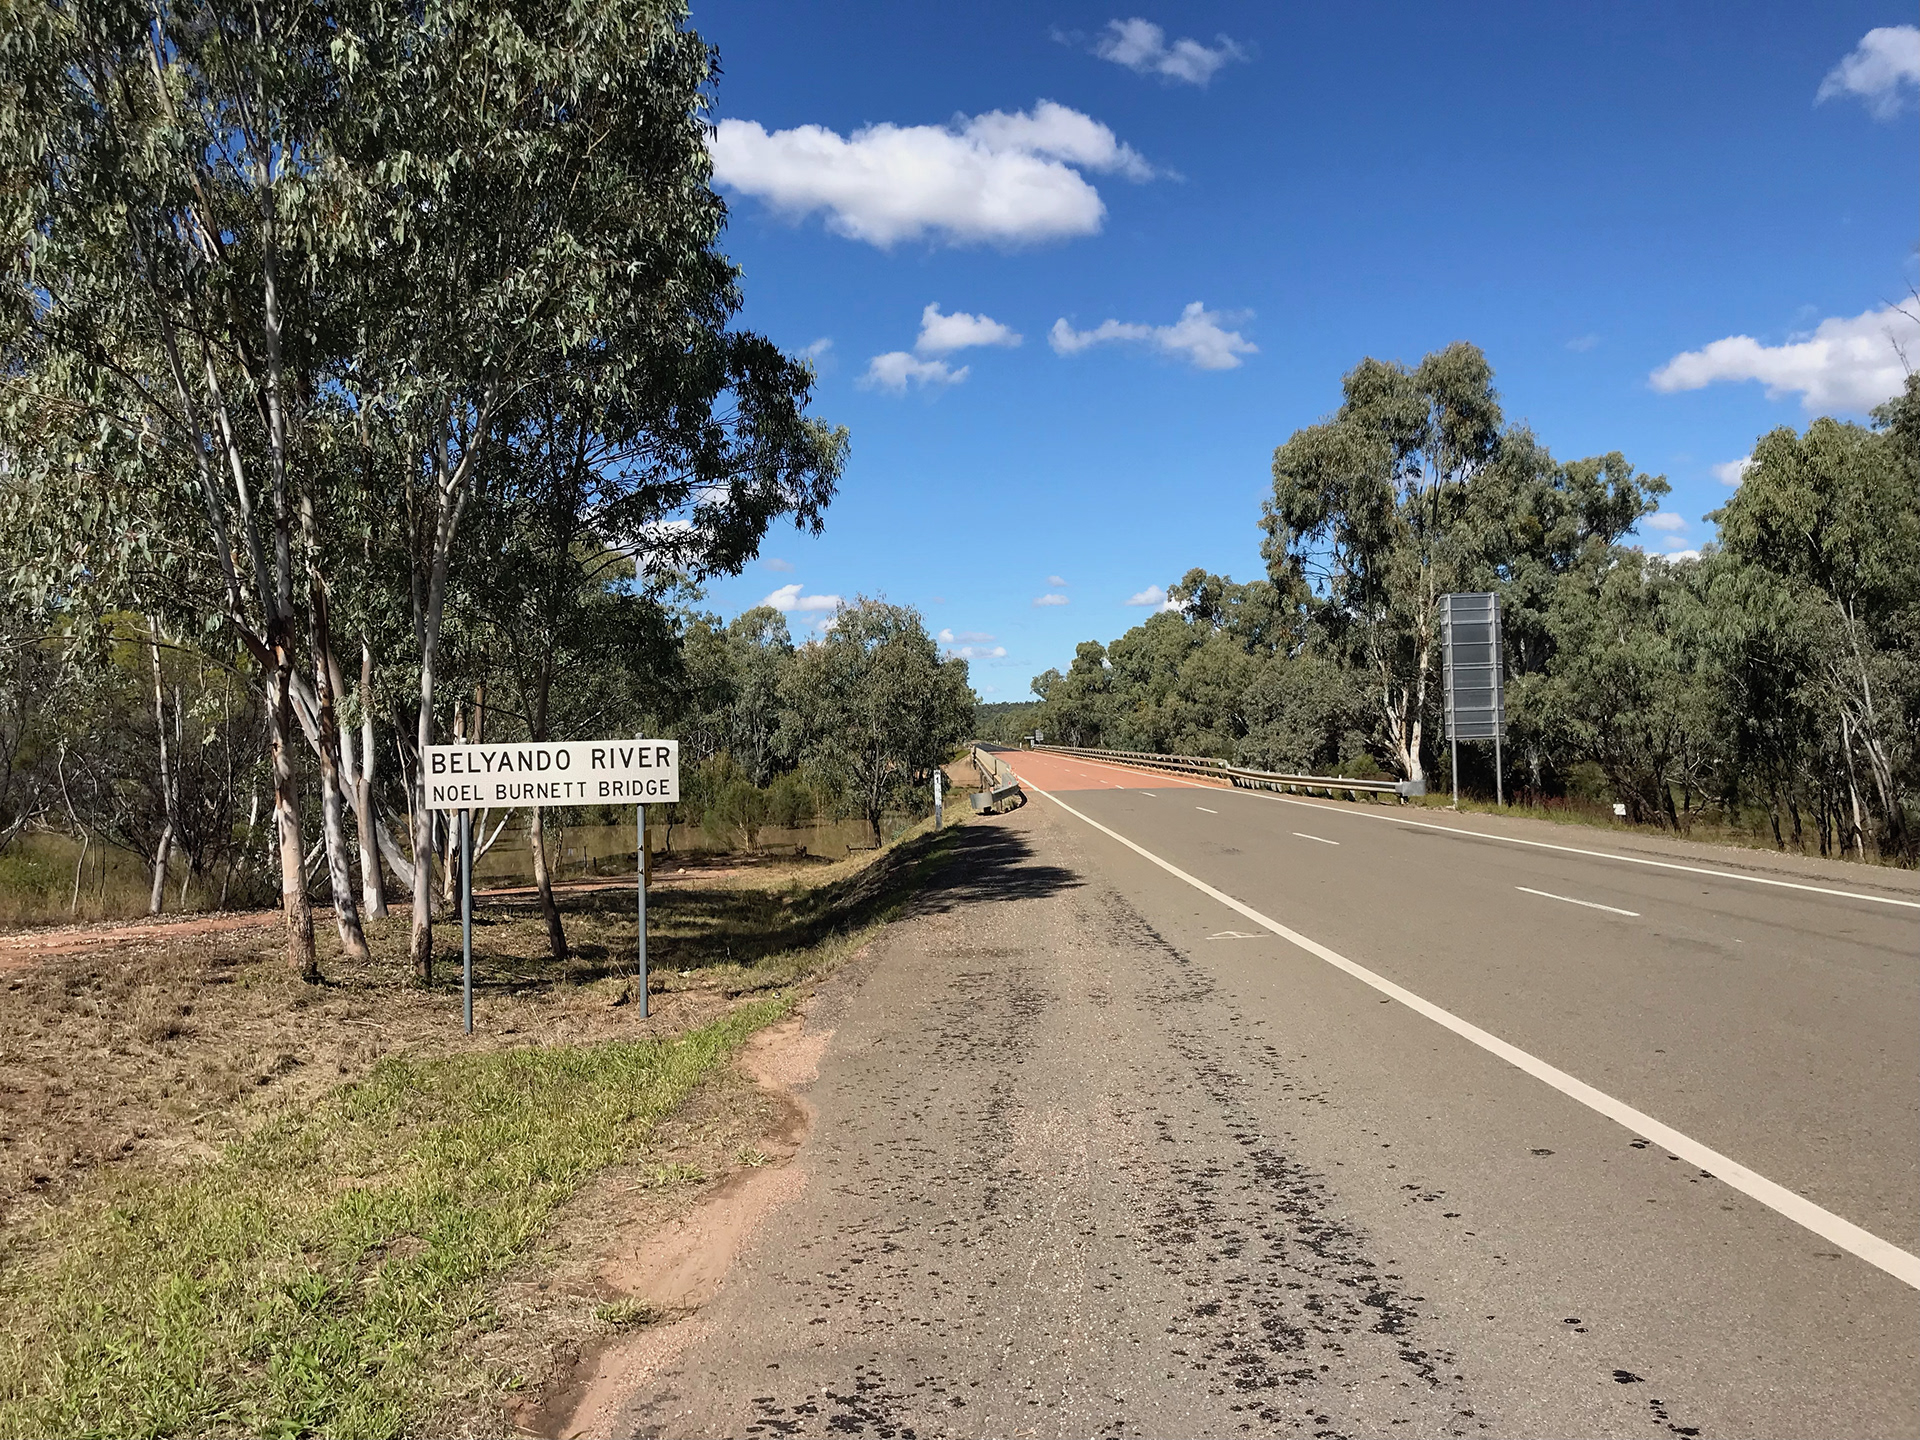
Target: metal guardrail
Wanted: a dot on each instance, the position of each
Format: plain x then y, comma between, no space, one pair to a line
998,778
1247,779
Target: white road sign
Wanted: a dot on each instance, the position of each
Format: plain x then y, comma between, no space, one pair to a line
565,772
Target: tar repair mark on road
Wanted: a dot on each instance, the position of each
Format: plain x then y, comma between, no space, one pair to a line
1286,1296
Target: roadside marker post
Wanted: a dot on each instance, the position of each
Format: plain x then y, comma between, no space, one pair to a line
938,815
463,778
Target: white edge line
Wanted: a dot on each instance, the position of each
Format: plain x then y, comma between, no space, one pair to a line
1546,844
1590,904
1803,1212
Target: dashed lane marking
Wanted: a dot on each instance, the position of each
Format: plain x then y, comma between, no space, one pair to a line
1590,904
1301,834
1883,1254
1210,812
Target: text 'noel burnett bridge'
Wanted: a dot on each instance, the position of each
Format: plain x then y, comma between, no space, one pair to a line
565,772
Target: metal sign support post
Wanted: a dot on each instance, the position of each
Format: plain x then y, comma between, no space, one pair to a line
466,916
1456,772
1499,793
640,871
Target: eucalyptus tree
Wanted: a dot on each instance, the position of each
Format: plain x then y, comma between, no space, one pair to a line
1831,519
1628,686
535,218
730,694
171,218
1366,511
763,652
1079,707
873,708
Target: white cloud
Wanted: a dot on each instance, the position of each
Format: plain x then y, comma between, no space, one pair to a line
1844,364
965,637
1665,520
1154,597
788,599
1196,337
1882,68
1056,582
1682,555
1142,47
978,652
943,334
939,335
1733,471
773,562
894,369
1580,344
818,349
1050,600
1003,178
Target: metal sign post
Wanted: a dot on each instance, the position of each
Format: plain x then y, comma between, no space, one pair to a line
1475,674
640,872
464,778
466,916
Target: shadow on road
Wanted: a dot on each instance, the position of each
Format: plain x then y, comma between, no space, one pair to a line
989,861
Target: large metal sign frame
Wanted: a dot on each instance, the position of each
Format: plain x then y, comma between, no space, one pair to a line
1475,679
464,778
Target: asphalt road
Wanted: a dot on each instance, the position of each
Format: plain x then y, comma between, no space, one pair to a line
1099,1153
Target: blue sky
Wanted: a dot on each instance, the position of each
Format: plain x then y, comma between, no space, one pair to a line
1605,199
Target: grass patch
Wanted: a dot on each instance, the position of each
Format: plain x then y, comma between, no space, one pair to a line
308,1280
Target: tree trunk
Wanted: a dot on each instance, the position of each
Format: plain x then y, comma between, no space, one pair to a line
420,931
163,852
1415,770
1862,821
536,831
373,880
286,816
543,882
450,858
389,848
236,860
430,563
346,910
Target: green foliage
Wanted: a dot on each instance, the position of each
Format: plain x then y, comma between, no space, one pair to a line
1004,722
404,325
872,708
740,809
791,801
